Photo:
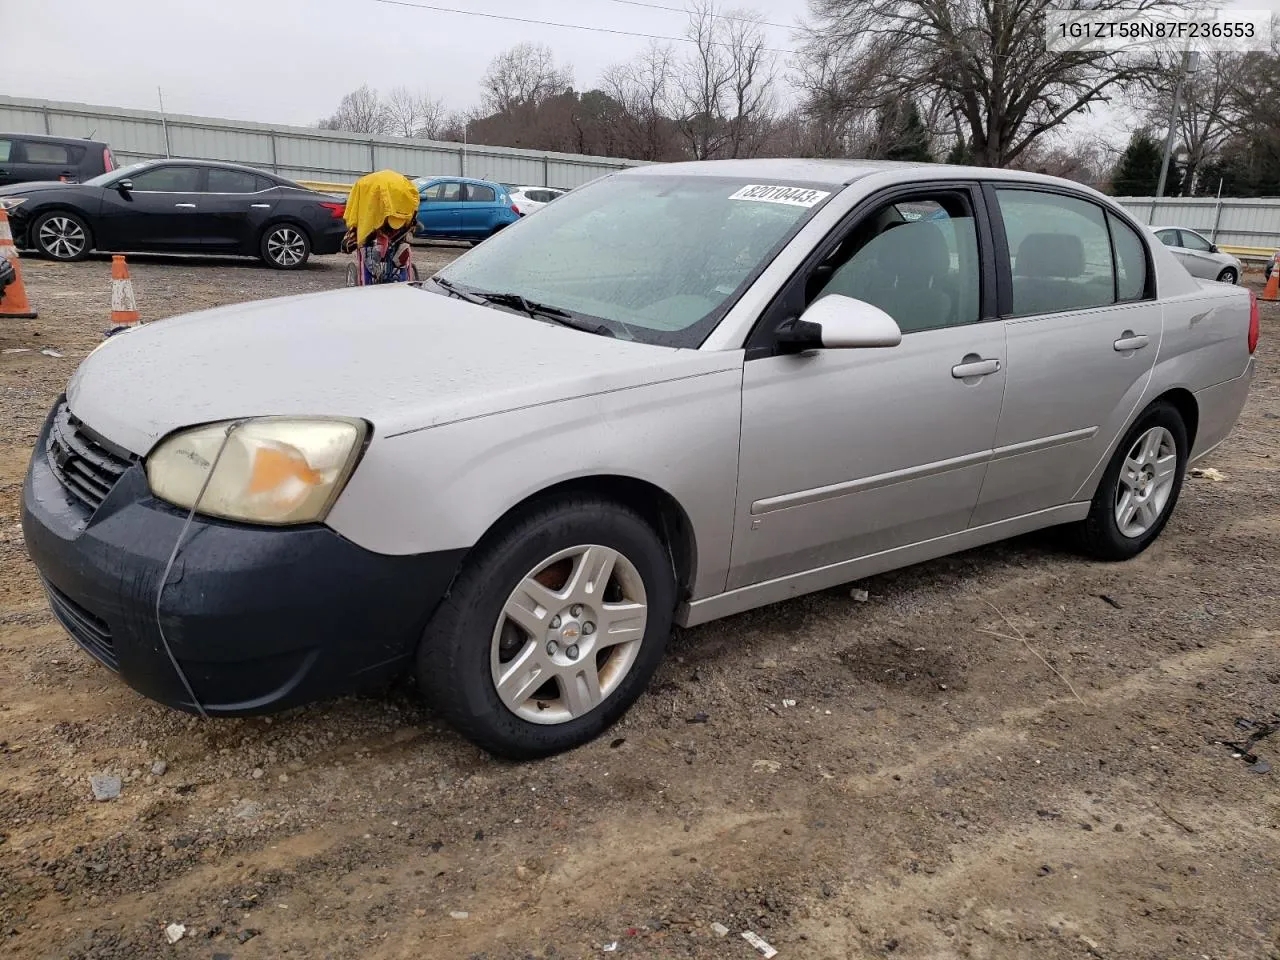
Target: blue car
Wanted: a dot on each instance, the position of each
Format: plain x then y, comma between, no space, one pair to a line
459,208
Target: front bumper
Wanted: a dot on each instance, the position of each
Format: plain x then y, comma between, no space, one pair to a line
259,619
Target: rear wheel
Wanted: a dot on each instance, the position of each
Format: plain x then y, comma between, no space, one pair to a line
62,235
1140,487
552,630
1228,275
285,246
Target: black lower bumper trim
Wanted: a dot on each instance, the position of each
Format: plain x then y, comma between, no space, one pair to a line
260,619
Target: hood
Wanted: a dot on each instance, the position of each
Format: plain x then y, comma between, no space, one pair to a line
35,186
400,357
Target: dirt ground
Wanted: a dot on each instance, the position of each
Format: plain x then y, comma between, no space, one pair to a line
899,777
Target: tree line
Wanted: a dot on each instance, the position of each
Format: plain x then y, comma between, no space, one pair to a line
961,81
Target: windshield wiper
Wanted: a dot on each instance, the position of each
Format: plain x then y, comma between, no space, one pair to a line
545,310
454,290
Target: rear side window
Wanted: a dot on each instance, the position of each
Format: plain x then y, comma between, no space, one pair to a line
47,153
1061,252
1169,238
480,194
234,181
448,192
1131,260
6,147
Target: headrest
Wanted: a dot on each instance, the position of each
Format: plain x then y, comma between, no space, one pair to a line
917,250
1046,255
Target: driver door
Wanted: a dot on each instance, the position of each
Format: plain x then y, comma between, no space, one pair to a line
850,452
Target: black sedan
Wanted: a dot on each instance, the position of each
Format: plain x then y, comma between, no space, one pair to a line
177,206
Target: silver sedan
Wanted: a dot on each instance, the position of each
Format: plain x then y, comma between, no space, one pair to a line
1201,257
677,393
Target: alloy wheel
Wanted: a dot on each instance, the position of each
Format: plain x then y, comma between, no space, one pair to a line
1146,480
286,246
568,634
62,238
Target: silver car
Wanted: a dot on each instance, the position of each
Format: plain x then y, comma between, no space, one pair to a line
1201,257
679,392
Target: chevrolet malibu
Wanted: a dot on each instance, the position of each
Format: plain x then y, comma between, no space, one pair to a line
679,392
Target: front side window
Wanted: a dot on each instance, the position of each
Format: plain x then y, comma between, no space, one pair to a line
6,147
480,194
1061,252
652,257
917,260
47,153
167,180
1193,241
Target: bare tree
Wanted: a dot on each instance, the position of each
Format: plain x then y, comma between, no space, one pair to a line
643,88
989,59
726,84
415,114
525,75
360,111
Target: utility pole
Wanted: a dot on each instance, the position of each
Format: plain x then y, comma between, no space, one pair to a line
164,123
1190,61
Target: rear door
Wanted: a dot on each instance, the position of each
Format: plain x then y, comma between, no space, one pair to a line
1082,327
440,213
32,160
232,206
479,209
161,212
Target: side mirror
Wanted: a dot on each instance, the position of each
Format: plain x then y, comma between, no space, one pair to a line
124,186
1213,248
836,322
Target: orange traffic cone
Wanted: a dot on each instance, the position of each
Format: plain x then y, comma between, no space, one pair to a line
124,308
13,300
1272,290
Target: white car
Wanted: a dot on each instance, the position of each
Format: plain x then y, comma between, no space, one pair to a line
1201,257
529,199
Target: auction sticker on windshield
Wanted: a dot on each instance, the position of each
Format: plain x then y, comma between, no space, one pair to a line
792,196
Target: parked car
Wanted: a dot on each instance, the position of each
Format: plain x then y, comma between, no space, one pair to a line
177,206
25,157
1201,257
529,199
679,392
458,208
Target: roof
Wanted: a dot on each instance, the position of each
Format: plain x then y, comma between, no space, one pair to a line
447,176
225,164
46,138
837,172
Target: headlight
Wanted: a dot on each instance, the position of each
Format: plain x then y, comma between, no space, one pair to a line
274,470
9,203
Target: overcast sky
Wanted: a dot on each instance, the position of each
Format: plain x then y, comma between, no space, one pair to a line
290,61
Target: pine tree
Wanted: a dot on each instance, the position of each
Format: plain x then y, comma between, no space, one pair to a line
905,136
1138,172
960,154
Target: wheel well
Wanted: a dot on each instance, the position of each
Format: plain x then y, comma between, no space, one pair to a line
1184,402
657,507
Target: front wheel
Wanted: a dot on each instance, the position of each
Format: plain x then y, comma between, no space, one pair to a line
552,630
285,247
1228,275
62,235
1140,487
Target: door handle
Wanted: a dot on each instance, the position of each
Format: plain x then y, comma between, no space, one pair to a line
185,206
260,206
1131,341
975,366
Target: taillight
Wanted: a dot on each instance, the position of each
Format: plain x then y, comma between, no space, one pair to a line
1255,320
336,210
516,210
108,161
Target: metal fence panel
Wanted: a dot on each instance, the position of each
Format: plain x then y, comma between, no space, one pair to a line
299,152
1249,222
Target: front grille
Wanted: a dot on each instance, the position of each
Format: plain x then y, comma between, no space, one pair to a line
89,631
85,464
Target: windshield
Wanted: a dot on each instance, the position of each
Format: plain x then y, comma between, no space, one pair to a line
120,173
656,258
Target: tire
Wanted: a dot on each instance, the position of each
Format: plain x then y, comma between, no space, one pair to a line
1102,534
61,235
471,640
285,246
1228,275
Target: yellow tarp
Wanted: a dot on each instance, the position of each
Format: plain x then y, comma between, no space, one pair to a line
385,197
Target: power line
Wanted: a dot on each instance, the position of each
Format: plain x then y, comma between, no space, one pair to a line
718,16
552,23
